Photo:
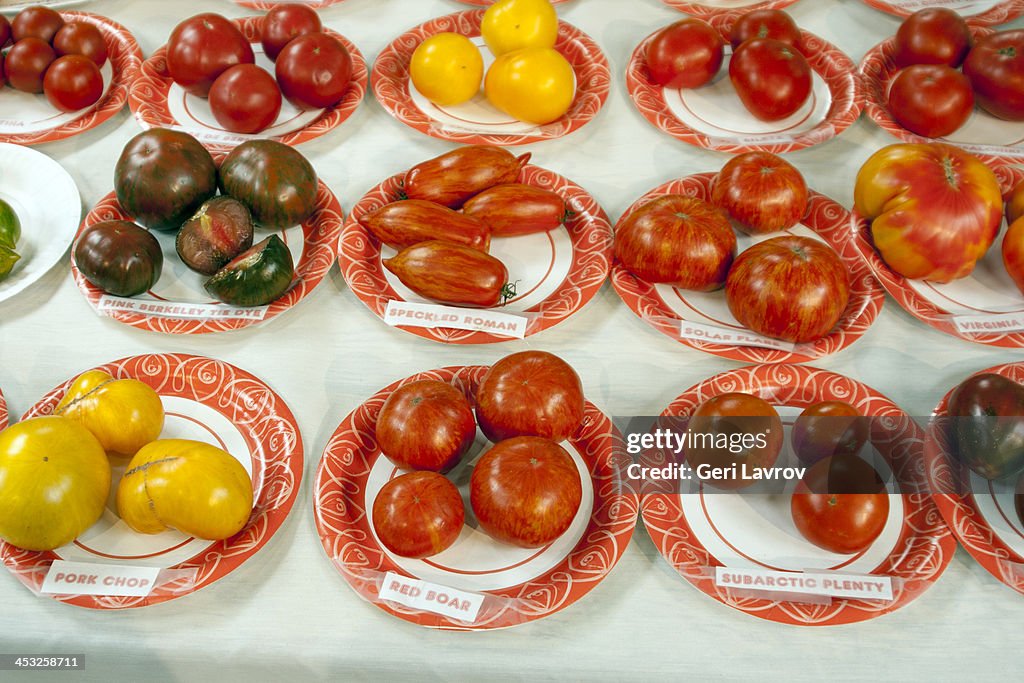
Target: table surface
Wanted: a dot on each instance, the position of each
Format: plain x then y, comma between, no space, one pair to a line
287,610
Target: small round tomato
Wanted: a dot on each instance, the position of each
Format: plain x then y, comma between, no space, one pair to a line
934,35
81,38
761,191
1014,202
447,69
1013,252
245,99
36,22
418,514
828,428
203,47
765,23
426,425
314,71
510,25
840,505
73,82
286,21
772,78
535,85
27,62
932,100
119,257
753,431
686,54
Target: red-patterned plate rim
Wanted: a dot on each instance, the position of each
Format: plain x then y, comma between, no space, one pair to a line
704,10
833,65
359,259
876,70
924,550
484,3
3,412
998,14
271,4
390,82
321,232
866,296
223,388
960,510
125,61
147,97
352,547
909,299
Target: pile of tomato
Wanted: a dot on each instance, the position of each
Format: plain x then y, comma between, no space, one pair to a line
208,56
930,96
769,72
60,59
525,490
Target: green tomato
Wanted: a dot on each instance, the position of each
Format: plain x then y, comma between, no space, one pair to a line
10,226
8,257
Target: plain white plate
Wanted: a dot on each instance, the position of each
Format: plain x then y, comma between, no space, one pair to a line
48,205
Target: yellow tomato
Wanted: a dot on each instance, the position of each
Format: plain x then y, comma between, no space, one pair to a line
124,414
191,486
516,24
54,481
447,69
536,85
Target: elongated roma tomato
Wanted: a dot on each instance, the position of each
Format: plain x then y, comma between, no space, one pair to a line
404,223
455,176
934,208
451,274
191,486
517,209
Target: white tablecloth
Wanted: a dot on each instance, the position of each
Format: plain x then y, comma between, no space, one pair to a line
287,611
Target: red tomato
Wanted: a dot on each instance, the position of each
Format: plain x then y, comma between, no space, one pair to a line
1013,252
790,287
840,505
452,274
531,393
202,48
525,491
426,425
73,82
314,71
995,66
81,38
26,63
418,514
5,31
765,23
245,99
516,209
408,222
935,35
934,208
1015,203
749,422
761,191
36,22
932,100
772,79
287,21
682,241
455,176
828,428
686,54
3,72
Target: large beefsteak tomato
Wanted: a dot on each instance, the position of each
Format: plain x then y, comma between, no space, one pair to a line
934,208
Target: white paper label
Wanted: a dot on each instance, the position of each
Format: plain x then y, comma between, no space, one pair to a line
83,578
1001,150
996,322
169,309
214,136
807,583
431,597
411,314
717,142
921,4
721,335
